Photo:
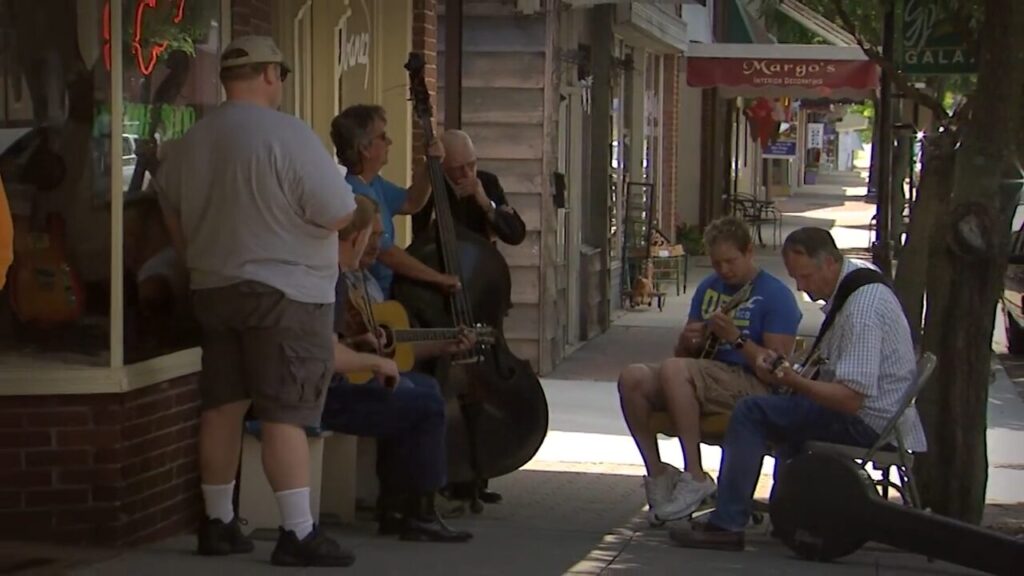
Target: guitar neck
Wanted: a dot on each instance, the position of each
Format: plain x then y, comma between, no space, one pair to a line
414,335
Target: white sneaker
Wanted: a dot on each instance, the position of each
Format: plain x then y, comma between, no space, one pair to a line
659,491
686,498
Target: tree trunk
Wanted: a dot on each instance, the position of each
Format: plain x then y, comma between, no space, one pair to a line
933,193
968,260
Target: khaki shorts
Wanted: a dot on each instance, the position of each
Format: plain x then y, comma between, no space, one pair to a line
719,386
260,345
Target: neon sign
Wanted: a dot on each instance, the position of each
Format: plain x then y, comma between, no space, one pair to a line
145,58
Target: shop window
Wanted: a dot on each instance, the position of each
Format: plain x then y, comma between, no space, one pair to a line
170,81
57,132
55,164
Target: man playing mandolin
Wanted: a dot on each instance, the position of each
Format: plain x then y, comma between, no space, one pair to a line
406,411
736,314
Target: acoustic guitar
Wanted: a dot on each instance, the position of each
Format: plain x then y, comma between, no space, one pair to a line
400,339
713,342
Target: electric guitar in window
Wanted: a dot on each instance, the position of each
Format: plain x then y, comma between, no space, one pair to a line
44,290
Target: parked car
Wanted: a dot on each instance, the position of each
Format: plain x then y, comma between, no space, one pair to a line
1013,288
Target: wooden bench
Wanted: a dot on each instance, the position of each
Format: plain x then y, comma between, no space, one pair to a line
332,475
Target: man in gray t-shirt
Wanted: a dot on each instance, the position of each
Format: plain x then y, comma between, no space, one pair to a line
254,201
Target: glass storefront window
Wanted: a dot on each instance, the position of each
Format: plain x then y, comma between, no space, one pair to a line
170,81
54,161
57,131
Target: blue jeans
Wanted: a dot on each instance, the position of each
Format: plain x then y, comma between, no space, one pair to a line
409,423
785,421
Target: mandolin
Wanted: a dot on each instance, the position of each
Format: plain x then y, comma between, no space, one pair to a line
713,342
400,339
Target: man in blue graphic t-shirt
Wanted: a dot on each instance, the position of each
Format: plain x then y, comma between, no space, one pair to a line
361,143
703,380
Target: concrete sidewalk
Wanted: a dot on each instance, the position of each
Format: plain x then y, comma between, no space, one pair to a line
577,507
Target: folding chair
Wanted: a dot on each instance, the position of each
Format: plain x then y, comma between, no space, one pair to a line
890,451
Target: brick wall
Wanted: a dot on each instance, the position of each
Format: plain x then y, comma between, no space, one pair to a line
670,145
105,469
251,17
424,39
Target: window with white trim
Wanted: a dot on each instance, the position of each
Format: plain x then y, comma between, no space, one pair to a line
82,126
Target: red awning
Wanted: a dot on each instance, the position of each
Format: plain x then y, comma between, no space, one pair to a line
782,70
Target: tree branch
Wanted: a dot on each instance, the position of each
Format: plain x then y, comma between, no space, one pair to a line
898,78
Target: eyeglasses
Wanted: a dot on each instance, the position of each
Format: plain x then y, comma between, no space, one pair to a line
284,73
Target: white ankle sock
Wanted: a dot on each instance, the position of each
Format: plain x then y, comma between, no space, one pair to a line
295,512
217,498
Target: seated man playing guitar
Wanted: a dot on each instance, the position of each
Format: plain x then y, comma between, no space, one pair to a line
737,314
870,363
406,412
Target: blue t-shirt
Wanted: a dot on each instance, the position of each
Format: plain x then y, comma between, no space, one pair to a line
771,309
390,198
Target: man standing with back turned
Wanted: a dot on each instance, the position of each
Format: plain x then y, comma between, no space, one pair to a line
253,200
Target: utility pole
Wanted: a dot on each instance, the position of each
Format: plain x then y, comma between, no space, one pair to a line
882,248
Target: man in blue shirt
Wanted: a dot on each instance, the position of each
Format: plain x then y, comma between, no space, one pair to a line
361,142
704,380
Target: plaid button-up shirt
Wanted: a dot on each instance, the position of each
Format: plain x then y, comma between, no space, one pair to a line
869,349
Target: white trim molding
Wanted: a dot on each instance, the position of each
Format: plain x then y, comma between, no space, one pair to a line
49,378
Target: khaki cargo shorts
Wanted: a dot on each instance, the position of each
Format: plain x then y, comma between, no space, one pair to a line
719,386
260,345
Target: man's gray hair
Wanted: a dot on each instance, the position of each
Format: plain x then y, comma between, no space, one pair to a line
815,243
350,133
453,139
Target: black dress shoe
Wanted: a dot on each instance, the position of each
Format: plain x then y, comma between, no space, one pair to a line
489,497
390,524
423,524
424,530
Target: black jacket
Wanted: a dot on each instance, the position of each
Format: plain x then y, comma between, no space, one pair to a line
507,226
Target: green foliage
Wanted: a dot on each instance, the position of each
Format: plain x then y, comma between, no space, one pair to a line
690,237
158,25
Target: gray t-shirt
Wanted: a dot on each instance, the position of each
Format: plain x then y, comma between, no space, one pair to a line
256,193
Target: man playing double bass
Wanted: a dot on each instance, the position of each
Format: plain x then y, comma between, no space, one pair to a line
477,199
478,204
361,143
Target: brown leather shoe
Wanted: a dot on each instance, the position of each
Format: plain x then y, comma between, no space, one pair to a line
707,536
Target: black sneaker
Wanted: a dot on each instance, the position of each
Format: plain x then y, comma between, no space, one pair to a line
316,549
219,539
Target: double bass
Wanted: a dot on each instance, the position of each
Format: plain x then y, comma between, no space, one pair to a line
496,408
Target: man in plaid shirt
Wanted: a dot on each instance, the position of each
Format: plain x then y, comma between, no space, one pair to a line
871,363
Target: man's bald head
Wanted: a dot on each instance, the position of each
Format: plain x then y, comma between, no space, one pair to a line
459,156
